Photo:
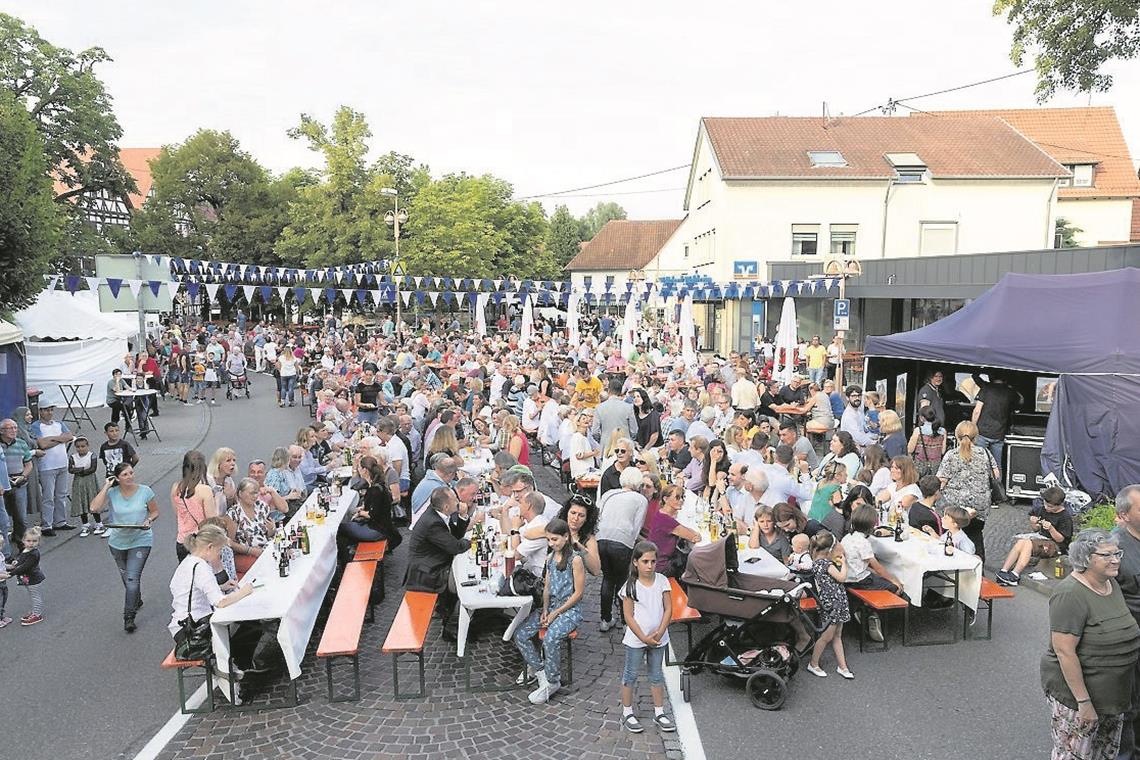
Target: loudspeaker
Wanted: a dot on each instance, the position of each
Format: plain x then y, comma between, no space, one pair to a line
1023,475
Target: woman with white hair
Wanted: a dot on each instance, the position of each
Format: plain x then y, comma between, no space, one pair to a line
1094,641
622,513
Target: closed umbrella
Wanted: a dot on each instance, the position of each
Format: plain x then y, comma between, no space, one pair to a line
481,313
688,333
572,304
786,342
629,327
527,323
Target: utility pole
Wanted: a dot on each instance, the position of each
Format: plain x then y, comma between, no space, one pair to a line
138,303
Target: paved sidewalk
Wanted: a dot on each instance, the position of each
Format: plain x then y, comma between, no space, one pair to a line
182,427
581,723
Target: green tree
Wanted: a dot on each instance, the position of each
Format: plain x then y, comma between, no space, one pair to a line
596,218
69,106
1071,41
29,219
468,226
564,237
1065,235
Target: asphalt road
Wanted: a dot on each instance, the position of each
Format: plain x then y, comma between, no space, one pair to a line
76,686
969,699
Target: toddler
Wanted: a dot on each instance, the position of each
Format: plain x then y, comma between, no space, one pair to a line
800,559
26,567
83,466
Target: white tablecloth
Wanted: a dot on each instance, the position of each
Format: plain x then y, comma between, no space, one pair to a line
910,560
477,465
484,594
293,601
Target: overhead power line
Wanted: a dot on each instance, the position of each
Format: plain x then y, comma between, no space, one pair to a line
899,101
603,184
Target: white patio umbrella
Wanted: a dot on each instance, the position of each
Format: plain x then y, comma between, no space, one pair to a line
629,327
688,333
481,313
572,304
786,334
527,323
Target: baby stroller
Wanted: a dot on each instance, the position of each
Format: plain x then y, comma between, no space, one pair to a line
762,634
239,383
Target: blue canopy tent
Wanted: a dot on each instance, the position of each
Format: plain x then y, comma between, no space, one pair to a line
1081,327
13,377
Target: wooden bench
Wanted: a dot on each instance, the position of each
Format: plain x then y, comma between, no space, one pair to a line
373,551
990,592
181,666
878,601
682,613
346,619
407,635
569,653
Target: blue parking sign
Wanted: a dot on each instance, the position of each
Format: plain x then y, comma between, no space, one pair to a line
842,314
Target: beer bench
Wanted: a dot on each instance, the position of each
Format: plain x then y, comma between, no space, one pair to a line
341,637
182,666
407,636
879,601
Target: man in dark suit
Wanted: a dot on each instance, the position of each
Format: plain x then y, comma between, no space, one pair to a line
435,541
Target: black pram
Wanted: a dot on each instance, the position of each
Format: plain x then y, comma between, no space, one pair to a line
762,634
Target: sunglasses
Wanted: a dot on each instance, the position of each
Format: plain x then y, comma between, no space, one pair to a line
620,451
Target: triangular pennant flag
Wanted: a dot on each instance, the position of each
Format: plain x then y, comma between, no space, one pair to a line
248,290
71,282
407,294
230,291
347,293
498,284
115,284
154,286
93,283
299,294
339,275
282,291
420,297
419,281
330,295
172,288
376,297
212,291
434,296
361,295
266,293
192,289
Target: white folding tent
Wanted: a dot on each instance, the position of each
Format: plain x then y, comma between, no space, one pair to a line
68,340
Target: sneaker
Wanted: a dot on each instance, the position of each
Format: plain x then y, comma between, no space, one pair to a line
605,625
47,532
1006,578
540,695
5,622
845,673
816,671
214,401
99,529
632,724
129,624
665,723
64,526
526,678
85,531
31,619
875,628
971,617
199,401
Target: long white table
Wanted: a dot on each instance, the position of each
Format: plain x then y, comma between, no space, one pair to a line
920,554
293,601
763,564
483,596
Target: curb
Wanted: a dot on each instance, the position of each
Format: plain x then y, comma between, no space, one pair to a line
204,430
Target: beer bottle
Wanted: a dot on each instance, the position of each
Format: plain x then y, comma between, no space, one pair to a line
484,561
305,545
898,530
948,546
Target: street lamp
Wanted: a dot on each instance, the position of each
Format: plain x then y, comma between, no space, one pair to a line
394,219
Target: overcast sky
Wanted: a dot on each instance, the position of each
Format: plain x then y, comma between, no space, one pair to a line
547,96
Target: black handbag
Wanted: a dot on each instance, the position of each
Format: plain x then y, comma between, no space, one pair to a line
997,490
194,640
522,582
680,559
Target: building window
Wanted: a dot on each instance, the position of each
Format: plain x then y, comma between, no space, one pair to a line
609,281
685,254
805,239
826,159
1082,176
909,168
843,239
938,238
588,281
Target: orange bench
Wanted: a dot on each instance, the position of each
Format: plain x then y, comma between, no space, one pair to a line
682,613
346,619
373,551
879,601
407,635
173,663
990,592
569,653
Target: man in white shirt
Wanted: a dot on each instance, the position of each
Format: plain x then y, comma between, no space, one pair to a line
397,452
528,532
531,411
738,494
781,484
497,381
702,426
548,423
854,421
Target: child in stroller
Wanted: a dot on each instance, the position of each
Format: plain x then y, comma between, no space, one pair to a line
763,633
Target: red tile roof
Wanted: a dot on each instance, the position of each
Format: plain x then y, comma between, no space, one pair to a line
1076,136
137,162
777,147
624,244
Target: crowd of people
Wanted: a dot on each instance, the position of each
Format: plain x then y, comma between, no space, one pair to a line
805,468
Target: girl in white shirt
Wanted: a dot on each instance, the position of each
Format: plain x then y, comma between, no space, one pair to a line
647,608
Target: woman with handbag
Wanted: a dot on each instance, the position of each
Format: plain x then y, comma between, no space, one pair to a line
192,498
965,474
195,593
